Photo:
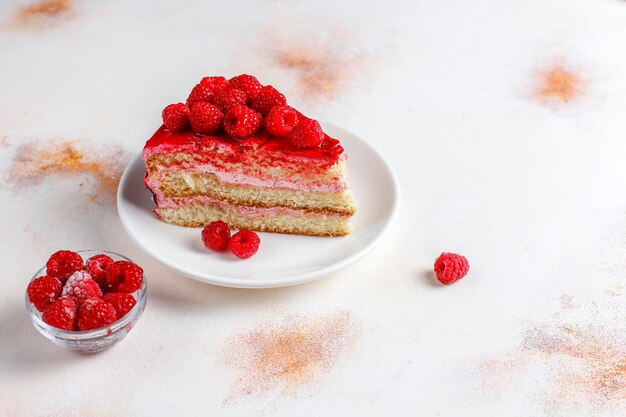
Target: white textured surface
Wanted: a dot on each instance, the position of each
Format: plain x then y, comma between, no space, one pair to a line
531,193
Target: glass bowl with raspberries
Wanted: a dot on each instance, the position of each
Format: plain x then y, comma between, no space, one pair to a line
86,301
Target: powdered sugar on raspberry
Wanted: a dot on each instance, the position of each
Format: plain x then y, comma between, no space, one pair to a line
81,286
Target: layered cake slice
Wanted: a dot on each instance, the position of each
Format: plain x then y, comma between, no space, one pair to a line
237,152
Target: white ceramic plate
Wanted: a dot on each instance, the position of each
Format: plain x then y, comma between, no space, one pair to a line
281,259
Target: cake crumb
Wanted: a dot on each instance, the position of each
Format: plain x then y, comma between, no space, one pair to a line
558,84
34,163
286,353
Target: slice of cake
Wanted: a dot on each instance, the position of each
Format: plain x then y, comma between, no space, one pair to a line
236,152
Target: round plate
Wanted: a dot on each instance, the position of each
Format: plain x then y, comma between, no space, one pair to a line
281,259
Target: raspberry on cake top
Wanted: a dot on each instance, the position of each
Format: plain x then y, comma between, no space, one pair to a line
235,151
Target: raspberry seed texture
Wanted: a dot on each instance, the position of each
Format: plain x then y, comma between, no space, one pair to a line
216,236
244,244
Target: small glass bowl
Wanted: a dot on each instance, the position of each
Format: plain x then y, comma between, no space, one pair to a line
96,340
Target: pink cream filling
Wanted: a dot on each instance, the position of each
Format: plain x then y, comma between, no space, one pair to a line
233,178
176,202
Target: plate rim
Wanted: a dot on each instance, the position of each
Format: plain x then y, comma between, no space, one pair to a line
277,282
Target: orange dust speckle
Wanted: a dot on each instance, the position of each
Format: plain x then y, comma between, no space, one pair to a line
286,353
558,84
615,291
44,11
567,301
45,8
33,163
594,365
586,367
323,71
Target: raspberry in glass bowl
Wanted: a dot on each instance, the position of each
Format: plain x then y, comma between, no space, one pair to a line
86,301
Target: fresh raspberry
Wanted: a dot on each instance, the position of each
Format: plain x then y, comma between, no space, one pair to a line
206,118
228,98
121,302
335,148
216,235
124,276
97,268
248,84
450,267
176,117
244,244
241,122
280,120
61,314
95,313
200,93
268,98
43,291
307,134
63,263
81,286
214,84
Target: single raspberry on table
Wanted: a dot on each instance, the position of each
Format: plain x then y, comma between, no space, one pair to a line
97,268
61,314
206,118
121,302
307,134
241,122
176,117
268,98
124,276
63,263
43,291
280,120
244,244
200,93
450,267
228,98
248,84
95,313
216,235
215,83
81,286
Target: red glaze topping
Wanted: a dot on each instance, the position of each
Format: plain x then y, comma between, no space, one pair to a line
164,140
239,130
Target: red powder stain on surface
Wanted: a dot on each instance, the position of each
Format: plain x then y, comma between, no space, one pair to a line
34,163
286,353
558,84
4,142
322,71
